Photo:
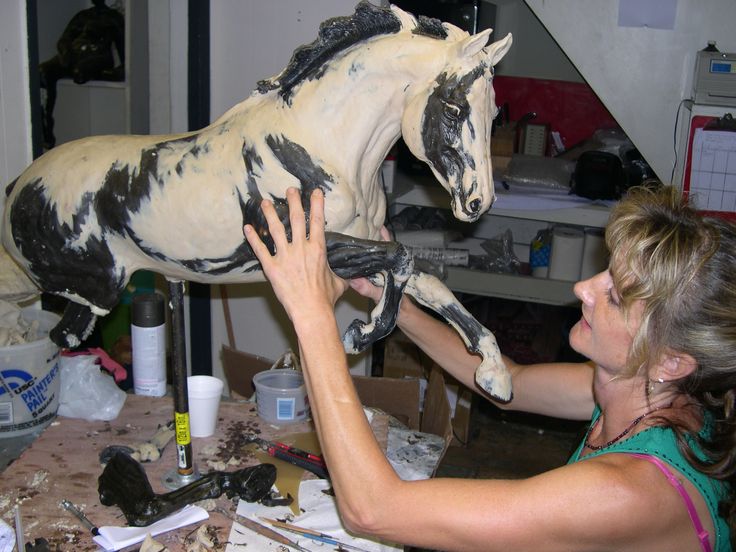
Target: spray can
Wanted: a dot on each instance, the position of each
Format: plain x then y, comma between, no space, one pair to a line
148,338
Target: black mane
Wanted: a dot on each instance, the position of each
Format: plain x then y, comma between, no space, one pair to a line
336,35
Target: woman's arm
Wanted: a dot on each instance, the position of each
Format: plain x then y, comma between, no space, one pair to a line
563,390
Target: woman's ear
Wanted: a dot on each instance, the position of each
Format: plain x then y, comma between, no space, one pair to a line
675,366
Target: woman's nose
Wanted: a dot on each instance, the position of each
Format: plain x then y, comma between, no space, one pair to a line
582,291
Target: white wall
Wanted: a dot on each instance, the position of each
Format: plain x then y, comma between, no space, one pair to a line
167,54
251,41
640,74
16,151
534,54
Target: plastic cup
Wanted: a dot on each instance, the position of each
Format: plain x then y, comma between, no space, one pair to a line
204,403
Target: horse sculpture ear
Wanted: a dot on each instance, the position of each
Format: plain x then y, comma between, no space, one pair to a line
498,49
474,43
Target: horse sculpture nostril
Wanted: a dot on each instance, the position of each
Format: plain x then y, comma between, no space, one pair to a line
475,206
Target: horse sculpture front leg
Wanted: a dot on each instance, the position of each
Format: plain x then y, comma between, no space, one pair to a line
492,375
352,258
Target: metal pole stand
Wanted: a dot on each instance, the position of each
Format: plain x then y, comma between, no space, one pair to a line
185,472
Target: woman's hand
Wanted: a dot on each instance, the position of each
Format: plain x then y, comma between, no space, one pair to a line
363,285
298,271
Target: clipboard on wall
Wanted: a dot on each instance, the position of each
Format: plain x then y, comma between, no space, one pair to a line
710,169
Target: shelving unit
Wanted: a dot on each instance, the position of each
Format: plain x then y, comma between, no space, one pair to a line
425,192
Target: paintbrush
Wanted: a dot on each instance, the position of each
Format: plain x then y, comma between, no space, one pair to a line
312,534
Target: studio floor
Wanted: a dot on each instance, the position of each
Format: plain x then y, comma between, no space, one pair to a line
510,445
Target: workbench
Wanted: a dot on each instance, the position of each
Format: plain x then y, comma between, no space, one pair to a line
63,463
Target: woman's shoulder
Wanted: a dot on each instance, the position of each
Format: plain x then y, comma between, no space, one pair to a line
619,495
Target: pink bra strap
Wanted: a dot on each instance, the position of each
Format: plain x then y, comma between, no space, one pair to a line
701,531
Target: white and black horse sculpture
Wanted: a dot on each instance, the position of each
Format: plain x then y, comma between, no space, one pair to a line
86,215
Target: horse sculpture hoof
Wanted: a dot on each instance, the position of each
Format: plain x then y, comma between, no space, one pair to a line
355,339
494,380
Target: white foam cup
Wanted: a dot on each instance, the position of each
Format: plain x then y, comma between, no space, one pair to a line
204,394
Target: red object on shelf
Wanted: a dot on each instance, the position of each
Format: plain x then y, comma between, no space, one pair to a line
570,108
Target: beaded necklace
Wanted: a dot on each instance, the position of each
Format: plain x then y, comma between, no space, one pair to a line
621,435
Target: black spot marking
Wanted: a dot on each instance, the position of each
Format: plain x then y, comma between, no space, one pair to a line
251,159
446,112
298,162
57,267
9,187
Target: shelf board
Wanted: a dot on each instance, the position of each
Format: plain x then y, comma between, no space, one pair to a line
427,192
511,286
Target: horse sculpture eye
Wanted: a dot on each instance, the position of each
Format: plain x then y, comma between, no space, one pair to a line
452,110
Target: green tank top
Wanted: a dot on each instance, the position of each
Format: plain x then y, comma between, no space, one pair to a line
661,443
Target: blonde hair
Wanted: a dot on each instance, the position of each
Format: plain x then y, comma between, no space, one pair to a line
682,266
662,253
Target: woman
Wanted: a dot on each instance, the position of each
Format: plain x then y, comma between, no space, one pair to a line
658,460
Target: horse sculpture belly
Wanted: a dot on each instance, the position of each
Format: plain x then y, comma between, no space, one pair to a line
86,215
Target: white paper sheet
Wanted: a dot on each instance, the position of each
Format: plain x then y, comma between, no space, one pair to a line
320,514
713,171
7,537
653,14
115,538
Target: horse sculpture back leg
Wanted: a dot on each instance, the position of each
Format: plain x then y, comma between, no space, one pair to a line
75,326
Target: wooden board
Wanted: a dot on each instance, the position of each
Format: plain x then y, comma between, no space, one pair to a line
63,463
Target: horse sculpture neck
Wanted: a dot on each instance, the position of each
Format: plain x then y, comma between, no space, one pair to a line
350,116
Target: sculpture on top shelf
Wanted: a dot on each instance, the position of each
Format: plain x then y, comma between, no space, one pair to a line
85,51
87,214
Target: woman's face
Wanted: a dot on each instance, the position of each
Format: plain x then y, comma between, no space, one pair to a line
603,334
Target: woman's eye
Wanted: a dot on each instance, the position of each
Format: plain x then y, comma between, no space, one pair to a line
612,298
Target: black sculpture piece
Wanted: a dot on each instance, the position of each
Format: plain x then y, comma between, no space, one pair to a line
124,483
84,53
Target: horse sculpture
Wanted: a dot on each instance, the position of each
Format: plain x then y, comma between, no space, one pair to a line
87,214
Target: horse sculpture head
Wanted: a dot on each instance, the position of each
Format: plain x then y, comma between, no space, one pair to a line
447,122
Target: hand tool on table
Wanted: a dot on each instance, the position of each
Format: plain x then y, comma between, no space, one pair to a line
312,534
19,539
298,457
70,507
267,532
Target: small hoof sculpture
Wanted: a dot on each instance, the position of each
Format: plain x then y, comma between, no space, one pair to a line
124,483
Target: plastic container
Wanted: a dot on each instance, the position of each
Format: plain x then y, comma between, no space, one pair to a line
29,380
281,396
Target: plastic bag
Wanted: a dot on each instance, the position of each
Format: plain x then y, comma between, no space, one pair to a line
86,391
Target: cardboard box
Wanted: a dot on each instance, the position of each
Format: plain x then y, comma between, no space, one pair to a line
403,359
460,399
503,141
399,397
239,368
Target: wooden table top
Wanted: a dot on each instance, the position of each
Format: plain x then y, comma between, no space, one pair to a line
63,463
